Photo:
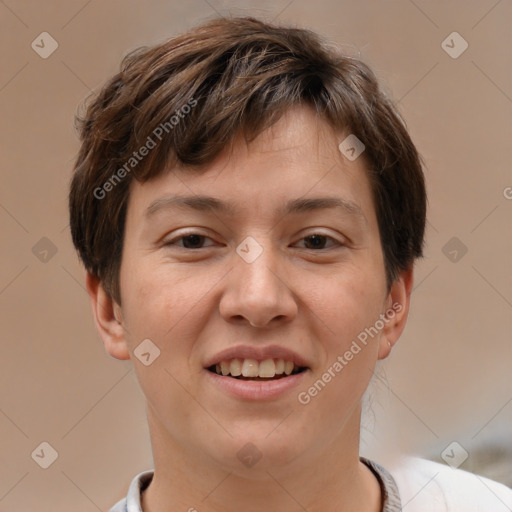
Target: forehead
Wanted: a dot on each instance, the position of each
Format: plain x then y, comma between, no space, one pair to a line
297,158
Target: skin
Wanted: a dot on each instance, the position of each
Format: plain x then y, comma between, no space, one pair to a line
194,302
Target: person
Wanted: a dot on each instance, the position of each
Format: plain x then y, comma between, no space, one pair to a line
248,206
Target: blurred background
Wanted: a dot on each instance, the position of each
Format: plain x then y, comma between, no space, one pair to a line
446,391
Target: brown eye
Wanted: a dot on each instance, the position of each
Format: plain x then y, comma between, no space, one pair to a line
191,241
318,241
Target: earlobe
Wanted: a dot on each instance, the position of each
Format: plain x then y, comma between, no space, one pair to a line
384,348
398,302
107,318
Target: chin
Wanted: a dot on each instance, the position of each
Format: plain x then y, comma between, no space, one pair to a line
253,455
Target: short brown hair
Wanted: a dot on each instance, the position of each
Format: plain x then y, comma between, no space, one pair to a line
196,92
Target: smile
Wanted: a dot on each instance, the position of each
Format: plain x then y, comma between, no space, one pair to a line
269,369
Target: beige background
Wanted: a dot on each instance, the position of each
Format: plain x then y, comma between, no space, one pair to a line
449,378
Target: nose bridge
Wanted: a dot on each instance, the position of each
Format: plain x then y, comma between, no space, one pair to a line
256,265
255,290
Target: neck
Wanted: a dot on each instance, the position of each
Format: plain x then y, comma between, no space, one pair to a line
331,480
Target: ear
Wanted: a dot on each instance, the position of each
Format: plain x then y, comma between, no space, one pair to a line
108,319
397,309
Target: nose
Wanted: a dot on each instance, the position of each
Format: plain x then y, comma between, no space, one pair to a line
258,292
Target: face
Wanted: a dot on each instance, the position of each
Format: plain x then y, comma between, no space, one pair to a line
268,260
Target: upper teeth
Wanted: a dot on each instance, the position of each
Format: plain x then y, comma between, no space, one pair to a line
253,368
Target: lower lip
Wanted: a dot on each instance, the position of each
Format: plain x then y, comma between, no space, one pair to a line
254,389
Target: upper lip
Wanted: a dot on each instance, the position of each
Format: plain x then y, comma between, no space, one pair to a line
257,353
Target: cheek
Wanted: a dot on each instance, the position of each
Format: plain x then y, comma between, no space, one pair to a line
170,305
157,297
352,301
349,305
159,305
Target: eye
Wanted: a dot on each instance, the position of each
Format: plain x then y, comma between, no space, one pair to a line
189,241
319,241
316,241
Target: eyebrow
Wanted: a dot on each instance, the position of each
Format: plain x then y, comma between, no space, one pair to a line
212,204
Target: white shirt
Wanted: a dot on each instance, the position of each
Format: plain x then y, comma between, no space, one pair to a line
426,486
415,485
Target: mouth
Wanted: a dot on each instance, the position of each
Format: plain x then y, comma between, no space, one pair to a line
254,370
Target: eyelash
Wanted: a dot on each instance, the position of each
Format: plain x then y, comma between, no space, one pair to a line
182,237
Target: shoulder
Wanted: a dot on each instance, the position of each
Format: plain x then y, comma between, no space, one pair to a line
427,486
